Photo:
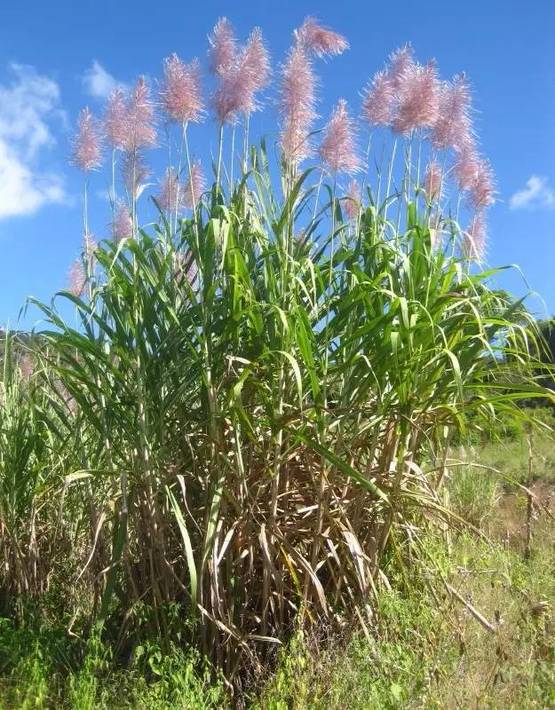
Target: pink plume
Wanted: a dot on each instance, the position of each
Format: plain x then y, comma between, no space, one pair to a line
320,40
453,128
241,80
297,104
433,181
77,278
338,148
194,186
483,190
418,98
115,121
135,172
475,237
379,100
181,93
353,200
141,132
466,167
122,225
401,61
87,143
225,101
474,175
223,47
256,60
170,197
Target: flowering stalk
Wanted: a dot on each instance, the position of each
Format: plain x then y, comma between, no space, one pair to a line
87,147
182,100
115,128
241,72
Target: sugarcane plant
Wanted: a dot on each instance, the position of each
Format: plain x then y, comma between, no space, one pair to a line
252,416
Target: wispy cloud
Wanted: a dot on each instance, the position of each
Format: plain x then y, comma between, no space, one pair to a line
29,106
536,194
98,82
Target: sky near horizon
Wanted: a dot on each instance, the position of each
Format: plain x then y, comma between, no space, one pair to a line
57,57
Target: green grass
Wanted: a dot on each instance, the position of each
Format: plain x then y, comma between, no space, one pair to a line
511,457
423,649
39,672
435,655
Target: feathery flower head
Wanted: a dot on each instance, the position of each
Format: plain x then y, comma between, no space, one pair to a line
338,148
194,187
418,96
77,278
116,120
122,225
453,127
87,143
181,92
141,132
248,73
320,40
466,167
226,100
400,62
433,181
474,174
482,193
295,143
353,200
297,104
170,197
223,47
135,172
298,86
379,100
474,238
255,60
234,96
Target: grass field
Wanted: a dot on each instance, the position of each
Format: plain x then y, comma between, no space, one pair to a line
425,650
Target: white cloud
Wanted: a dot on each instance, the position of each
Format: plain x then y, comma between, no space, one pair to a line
98,82
21,191
537,193
28,108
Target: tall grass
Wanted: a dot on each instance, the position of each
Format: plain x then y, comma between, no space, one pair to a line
252,415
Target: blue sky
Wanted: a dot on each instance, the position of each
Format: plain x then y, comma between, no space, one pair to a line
55,56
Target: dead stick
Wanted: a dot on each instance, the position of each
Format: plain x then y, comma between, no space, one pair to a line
529,495
475,613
